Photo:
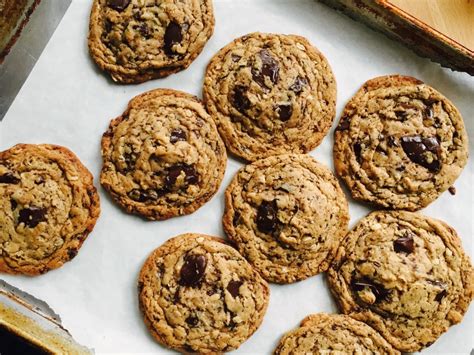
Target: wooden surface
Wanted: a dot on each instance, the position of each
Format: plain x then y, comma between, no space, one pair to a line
453,18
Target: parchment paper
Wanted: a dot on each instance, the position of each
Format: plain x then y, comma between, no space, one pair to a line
67,101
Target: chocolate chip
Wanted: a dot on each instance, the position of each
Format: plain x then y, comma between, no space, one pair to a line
358,150
173,36
177,135
32,216
192,272
404,244
233,287
344,124
9,178
235,57
174,171
71,253
267,216
299,84
14,204
452,190
416,148
239,99
439,297
143,195
379,291
284,112
118,5
270,69
192,321
144,30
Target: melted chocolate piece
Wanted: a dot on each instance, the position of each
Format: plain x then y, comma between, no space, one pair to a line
14,204
173,36
267,216
192,321
452,190
192,272
344,124
357,150
118,5
233,287
32,216
404,244
299,85
284,112
240,100
177,135
416,148
9,178
379,291
175,171
143,195
439,297
270,69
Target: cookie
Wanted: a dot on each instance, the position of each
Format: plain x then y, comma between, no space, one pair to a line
199,295
405,275
333,334
399,143
48,206
270,94
286,215
135,41
163,157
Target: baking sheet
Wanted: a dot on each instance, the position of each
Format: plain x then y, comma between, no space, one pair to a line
67,101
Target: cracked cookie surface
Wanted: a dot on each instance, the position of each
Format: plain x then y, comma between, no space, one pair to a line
48,206
199,295
270,94
333,334
287,215
399,143
405,275
163,157
136,40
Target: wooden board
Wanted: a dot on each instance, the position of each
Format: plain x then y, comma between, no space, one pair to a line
454,18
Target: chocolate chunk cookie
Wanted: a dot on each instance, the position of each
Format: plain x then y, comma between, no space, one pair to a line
287,215
270,94
399,143
48,206
163,157
333,334
405,275
135,41
199,295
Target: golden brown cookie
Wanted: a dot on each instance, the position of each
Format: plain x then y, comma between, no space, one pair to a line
270,94
199,295
48,206
333,334
286,215
405,275
135,41
399,143
163,157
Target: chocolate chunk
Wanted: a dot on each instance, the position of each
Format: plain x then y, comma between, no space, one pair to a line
267,216
416,148
9,178
284,112
173,36
192,272
235,57
144,30
358,150
439,297
175,171
192,321
452,190
270,69
240,100
130,159
14,204
404,244
32,216
379,291
344,124
144,195
118,5
233,287
177,135
299,84
71,253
